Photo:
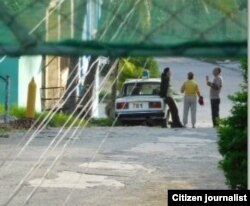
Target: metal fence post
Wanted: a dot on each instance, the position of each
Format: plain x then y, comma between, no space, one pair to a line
7,97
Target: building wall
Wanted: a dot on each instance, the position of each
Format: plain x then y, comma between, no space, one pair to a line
29,66
21,70
9,66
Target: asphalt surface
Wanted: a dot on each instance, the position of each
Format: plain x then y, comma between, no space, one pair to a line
232,78
123,165
134,166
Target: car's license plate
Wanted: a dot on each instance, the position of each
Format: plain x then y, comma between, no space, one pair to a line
137,105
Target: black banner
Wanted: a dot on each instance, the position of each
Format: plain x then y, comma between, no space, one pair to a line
208,197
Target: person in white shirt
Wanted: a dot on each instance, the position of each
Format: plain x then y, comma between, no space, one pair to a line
215,89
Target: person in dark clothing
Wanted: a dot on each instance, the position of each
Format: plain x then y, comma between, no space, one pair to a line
165,93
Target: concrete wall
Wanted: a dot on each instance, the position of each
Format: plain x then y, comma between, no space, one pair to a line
29,66
9,66
21,70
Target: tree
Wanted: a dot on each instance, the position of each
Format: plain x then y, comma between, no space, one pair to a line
70,104
111,28
130,68
124,20
16,5
233,138
89,86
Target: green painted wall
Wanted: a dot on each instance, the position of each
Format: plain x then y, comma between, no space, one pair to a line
21,70
9,66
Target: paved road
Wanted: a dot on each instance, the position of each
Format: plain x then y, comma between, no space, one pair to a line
135,166
232,79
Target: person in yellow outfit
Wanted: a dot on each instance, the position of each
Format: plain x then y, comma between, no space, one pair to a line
190,89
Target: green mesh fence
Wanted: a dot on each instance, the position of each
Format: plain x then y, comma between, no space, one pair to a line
123,27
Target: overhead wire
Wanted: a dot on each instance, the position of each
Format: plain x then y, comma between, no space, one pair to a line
45,121
24,136
58,156
38,24
102,141
42,158
125,19
55,107
138,1
34,134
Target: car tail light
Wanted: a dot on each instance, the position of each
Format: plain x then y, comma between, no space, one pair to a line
121,105
154,105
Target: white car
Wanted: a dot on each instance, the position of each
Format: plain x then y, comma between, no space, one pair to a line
140,103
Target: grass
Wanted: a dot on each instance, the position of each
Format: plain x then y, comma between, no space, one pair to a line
60,119
107,96
18,112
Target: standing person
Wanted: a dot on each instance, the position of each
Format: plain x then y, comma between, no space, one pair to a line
215,88
190,89
165,92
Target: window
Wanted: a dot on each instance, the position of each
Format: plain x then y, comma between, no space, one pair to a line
140,88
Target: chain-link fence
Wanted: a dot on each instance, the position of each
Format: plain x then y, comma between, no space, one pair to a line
123,27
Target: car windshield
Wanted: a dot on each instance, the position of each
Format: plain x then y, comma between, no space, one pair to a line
141,88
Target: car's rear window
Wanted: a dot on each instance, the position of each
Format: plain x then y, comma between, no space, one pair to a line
147,88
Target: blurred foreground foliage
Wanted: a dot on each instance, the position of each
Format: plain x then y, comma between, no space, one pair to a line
233,138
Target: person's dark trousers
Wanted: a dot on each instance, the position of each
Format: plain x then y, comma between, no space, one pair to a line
174,112
215,107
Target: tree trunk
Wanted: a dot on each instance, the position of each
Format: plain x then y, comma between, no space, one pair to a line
70,104
88,88
111,112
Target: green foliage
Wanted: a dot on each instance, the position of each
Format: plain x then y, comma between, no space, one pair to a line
57,120
244,66
233,138
60,119
1,109
104,96
228,7
136,13
132,68
18,112
15,5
